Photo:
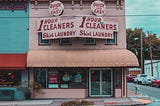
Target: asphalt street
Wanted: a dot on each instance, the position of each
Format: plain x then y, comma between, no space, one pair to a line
152,92
145,90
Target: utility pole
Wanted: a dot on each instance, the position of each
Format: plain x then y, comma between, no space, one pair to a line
150,46
141,52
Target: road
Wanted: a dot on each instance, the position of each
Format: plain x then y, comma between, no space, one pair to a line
152,92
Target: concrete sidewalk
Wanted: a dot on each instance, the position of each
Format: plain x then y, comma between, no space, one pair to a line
138,98
132,99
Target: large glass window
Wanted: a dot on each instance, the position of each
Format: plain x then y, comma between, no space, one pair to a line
10,78
117,78
72,79
112,41
60,78
40,76
53,79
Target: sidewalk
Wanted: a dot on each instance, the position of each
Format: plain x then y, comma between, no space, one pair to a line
132,99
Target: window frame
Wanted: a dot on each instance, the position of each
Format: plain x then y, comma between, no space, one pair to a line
63,43
40,43
92,43
112,41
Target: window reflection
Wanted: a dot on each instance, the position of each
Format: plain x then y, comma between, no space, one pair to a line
60,78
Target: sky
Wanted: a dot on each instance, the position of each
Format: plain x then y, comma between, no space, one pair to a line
143,14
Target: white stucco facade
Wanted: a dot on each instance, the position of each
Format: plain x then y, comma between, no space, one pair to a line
156,68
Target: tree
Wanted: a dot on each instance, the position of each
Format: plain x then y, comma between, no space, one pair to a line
134,44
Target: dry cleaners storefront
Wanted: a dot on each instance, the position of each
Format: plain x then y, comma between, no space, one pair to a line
79,73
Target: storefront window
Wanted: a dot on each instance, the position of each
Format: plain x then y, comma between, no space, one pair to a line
117,78
72,79
65,78
10,78
40,76
60,78
53,79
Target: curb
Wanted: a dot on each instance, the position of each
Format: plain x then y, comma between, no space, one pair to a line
132,101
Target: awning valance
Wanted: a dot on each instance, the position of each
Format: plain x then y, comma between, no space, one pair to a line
81,58
13,61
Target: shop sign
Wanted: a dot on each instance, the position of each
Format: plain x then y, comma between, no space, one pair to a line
77,26
56,8
98,8
53,77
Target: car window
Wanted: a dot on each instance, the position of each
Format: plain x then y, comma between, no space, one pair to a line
143,76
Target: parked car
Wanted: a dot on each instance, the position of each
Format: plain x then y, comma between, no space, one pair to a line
156,83
140,78
130,78
148,80
135,79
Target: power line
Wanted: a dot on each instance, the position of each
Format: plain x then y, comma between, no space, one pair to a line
131,15
143,15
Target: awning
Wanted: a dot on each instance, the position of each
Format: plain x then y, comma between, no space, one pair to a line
81,58
13,61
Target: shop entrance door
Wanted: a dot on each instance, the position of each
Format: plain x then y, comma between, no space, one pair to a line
100,82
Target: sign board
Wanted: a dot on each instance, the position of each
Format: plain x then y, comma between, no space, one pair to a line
56,8
98,8
77,26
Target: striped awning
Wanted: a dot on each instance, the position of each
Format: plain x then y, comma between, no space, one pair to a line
81,58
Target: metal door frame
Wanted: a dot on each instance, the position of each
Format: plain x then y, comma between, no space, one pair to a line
100,69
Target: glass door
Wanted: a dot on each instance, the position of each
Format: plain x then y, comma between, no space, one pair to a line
106,82
95,82
100,83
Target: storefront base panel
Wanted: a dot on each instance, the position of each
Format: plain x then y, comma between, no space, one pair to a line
61,93
118,93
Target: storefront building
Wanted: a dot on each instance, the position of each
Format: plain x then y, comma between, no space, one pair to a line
14,43
77,49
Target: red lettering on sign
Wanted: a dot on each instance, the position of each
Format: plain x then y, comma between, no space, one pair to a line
40,27
82,23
